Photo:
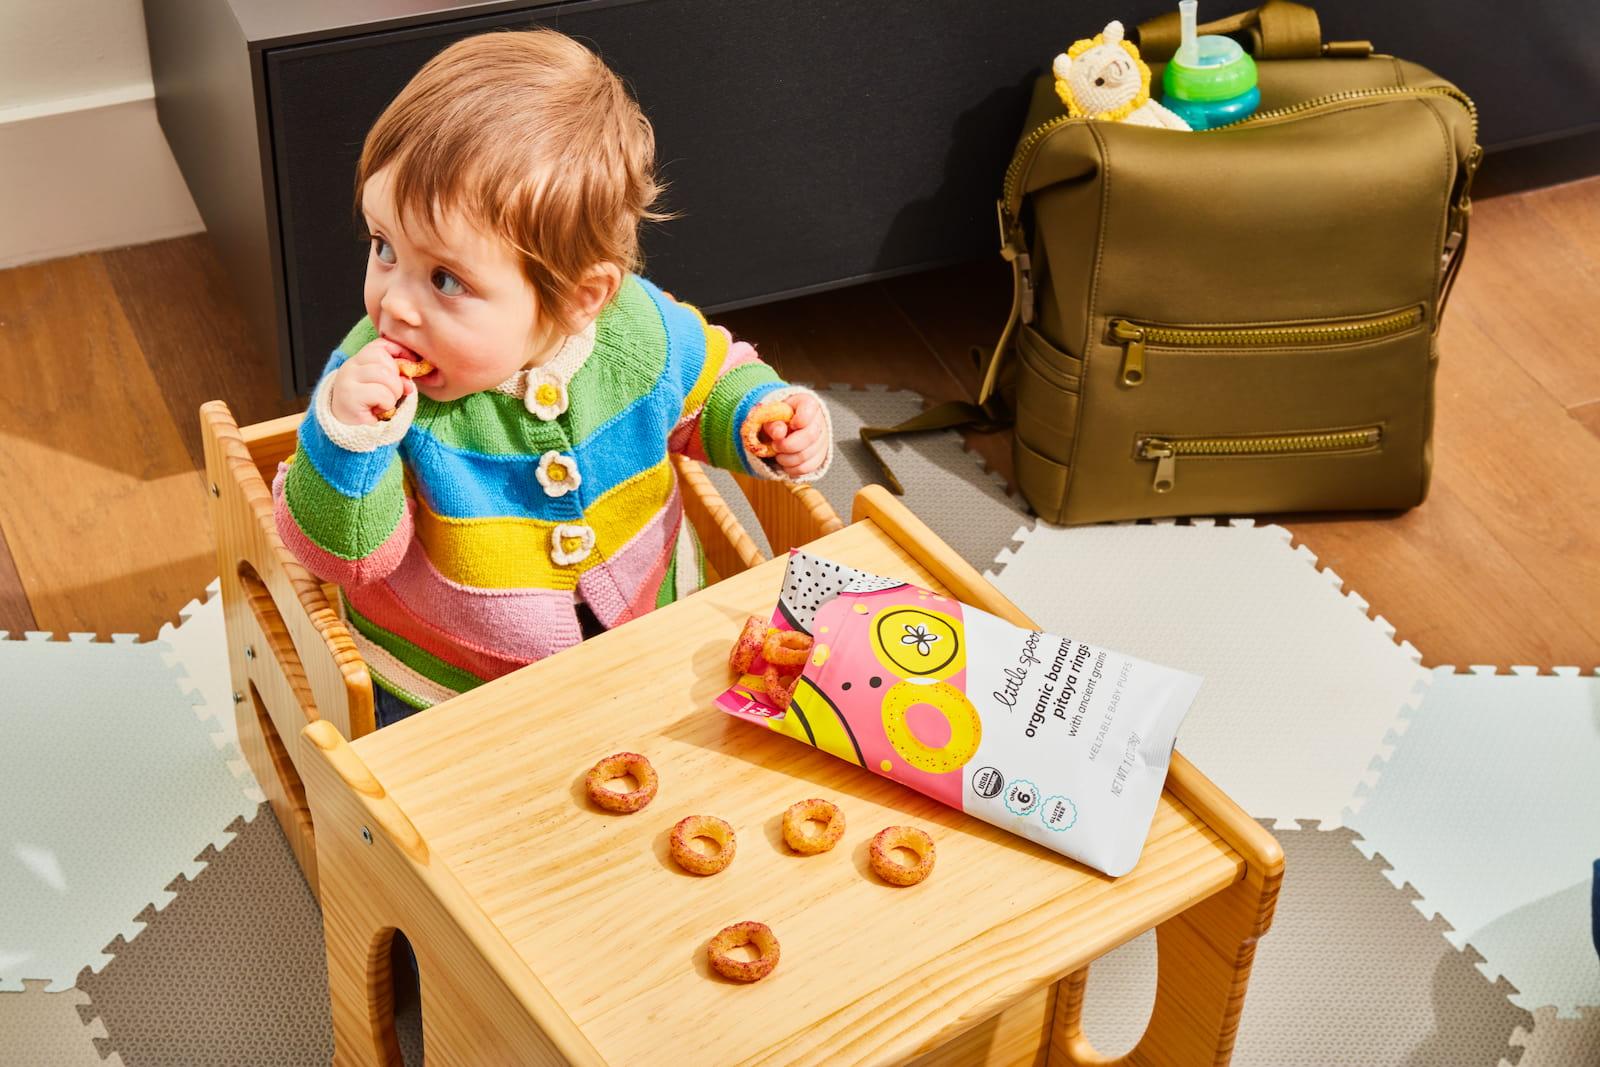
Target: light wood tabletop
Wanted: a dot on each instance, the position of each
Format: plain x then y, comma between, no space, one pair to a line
606,937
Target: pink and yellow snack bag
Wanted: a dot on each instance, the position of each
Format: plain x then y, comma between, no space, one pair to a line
1049,737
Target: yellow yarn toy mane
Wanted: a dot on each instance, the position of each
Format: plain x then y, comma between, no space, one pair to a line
1122,111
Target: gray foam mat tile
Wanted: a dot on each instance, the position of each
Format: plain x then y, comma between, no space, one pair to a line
1557,1042
232,971
1349,974
40,1029
946,486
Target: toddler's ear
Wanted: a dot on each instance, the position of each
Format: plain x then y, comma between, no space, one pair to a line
595,290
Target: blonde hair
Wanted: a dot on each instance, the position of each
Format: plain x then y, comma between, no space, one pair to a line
531,136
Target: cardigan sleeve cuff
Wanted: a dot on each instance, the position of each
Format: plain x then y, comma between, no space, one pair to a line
364,438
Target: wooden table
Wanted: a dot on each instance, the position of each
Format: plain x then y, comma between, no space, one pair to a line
547,931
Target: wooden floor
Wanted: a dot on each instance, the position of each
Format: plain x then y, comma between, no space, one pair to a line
103,514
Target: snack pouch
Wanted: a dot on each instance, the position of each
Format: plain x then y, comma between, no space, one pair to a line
1047,736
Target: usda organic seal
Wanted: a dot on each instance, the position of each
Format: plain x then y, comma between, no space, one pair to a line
987,782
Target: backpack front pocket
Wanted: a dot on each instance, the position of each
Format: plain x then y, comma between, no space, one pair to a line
1165,450
1252,417
1135,336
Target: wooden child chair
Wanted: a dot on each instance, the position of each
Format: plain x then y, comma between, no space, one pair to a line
289,652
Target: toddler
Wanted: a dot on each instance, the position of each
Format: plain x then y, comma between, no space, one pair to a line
511,493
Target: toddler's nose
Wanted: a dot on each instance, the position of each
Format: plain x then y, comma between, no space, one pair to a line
397,305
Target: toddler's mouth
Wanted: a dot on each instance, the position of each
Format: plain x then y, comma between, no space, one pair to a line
413,356
406,352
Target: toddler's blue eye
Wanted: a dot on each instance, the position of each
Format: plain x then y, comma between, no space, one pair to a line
447,283
383,250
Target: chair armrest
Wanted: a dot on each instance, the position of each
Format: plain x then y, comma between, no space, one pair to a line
306,656
728,547
791,515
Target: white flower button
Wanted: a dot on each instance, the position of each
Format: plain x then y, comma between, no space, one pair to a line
546,395
570,543
558,474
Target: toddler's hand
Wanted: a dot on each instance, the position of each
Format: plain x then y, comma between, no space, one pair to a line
368,383
802,446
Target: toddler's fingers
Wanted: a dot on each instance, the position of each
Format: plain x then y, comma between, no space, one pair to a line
799,438
776,431
798,468
377,373
805,409
801,462
379,396
375,351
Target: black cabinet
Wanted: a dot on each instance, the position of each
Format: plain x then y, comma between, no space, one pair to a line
805,143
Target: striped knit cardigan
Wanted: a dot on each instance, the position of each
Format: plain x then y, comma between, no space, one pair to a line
461,532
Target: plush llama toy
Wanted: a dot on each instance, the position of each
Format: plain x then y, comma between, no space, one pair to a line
1102,77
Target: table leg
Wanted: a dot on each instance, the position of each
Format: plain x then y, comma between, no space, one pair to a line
480,1002
1203,965
360,990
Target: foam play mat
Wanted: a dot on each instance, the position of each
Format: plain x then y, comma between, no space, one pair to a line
1302,690
1350,973
239,947
1489,807
43,1029
113,785
1558,1042
197,649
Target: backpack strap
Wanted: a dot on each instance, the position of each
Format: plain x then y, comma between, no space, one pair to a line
1455,242
987,414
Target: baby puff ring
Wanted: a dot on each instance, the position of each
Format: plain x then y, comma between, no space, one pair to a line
882,858
615,767
713,829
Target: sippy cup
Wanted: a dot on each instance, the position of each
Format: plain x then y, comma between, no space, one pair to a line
1211,81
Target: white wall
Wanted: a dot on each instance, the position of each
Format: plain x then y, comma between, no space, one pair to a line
83,163
56,51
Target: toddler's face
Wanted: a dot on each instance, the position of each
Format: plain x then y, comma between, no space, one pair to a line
458,298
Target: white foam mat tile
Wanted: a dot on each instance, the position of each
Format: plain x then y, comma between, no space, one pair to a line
198,648
1489,807
1302,690
111,786
945,485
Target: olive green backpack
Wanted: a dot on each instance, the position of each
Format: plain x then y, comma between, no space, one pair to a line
1239,320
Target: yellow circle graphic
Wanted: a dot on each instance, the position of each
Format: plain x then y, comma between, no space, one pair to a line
918,643
966,730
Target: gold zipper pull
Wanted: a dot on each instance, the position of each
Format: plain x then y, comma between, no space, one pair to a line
1166,458
1132,338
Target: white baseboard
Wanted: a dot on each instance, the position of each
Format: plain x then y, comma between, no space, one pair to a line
95,173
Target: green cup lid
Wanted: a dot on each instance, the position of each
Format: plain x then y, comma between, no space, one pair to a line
1223,70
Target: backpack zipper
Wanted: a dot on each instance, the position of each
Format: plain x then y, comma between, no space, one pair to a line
1165,450
1133,336
1011,199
